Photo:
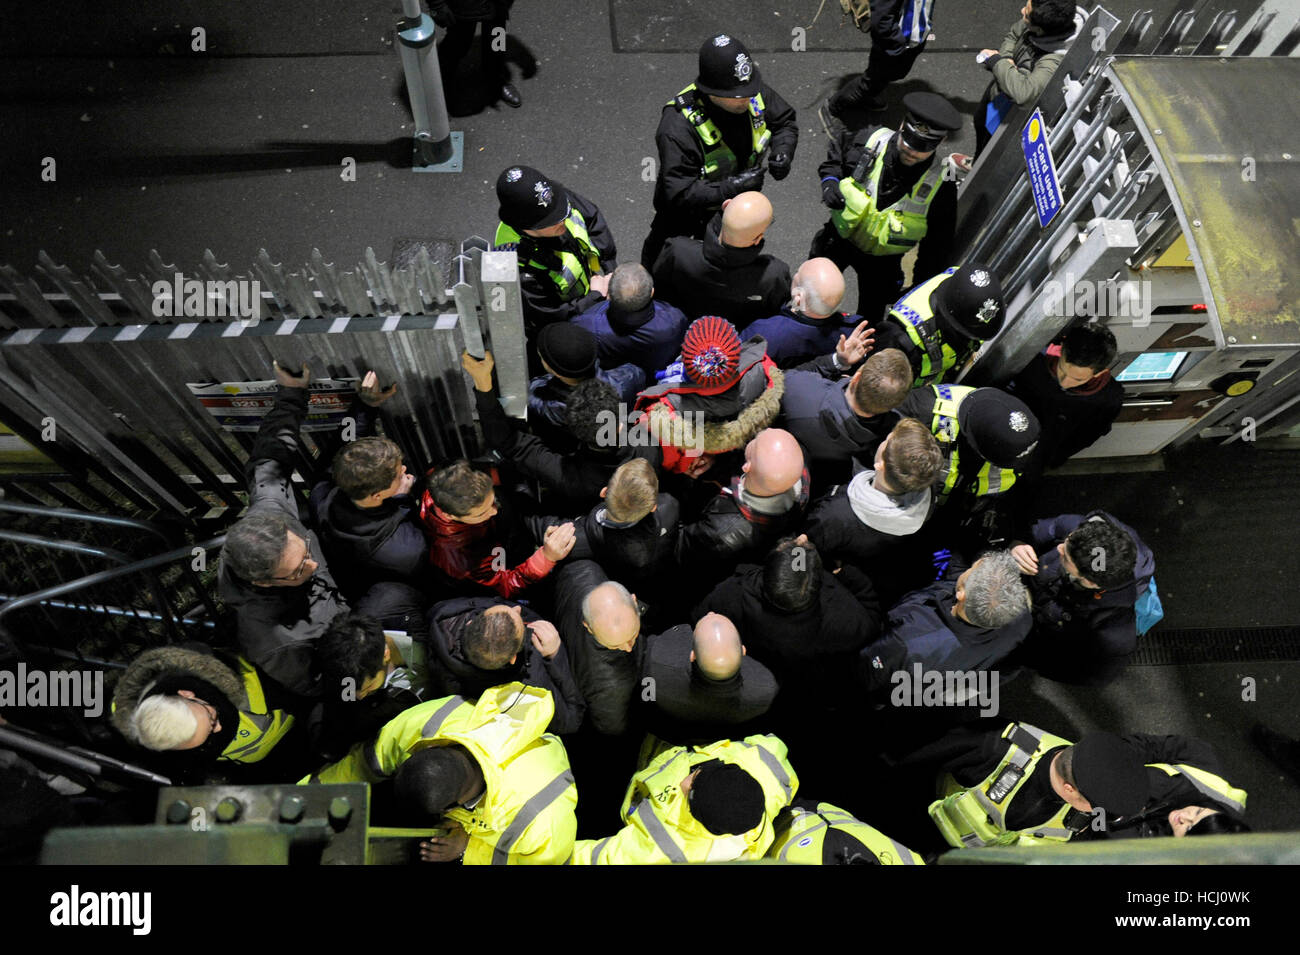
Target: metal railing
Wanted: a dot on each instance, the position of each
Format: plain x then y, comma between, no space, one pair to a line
95,374
110,615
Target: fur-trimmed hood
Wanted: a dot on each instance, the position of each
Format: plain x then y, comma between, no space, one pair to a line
173,662
716,437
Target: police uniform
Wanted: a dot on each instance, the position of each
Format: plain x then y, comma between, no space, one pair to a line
987,438
943,320
998,792
882,208
554,273
811,833
526,815
660,827
708,155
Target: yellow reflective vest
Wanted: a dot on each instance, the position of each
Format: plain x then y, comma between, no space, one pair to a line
719,161
1219,790
259,729
944,426
659,825
976,815
526,816
801,837
916,316
891,231
570,273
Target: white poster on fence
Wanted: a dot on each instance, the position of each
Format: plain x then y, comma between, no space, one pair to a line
241,405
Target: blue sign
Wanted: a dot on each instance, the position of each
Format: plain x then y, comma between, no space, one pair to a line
1042,170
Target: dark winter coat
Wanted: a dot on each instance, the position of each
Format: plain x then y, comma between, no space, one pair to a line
277,626
705,277
816,411
1070,420
366,545
922,628
793,338
730,531
548,399
688,708
1081,636
811,652
453,675
650,338
628,553
608,679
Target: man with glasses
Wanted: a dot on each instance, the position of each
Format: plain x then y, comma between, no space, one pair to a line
273,573
887,195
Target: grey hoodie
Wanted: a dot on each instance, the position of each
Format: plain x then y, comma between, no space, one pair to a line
898,516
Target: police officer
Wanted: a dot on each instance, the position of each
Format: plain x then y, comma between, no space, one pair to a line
714,803
986,437
887,195
941,322
1027,787
564,246
509,796
712,140
817,833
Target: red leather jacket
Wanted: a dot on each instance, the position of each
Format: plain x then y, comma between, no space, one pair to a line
472,552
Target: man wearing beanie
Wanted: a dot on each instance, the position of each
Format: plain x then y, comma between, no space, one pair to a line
715,399
564,246
713,140
714,803
1027,787
568,354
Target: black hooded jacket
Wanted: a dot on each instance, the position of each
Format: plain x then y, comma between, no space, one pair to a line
366,545
450,674
705,277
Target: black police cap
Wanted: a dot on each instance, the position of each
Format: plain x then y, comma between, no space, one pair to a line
727,69
930,118
1000,427
529,200
969,302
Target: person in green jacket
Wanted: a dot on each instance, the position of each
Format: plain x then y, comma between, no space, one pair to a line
1023,64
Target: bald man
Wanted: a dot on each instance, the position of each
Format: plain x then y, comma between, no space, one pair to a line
758,507
600,623
700,686
811,324
726,273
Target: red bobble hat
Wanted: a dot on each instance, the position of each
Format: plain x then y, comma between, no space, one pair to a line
711,352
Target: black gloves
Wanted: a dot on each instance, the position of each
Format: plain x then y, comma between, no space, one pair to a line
750,180
779,166
831,195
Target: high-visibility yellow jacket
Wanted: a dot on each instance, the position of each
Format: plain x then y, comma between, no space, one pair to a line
660,827
891,231
801,837
526,816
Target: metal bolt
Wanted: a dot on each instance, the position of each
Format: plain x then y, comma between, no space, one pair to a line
229,809
178,812
1158,132
1286,155
1232,339
340,811
292,808
1197,223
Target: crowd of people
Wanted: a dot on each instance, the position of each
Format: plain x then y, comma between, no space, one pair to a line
741,533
